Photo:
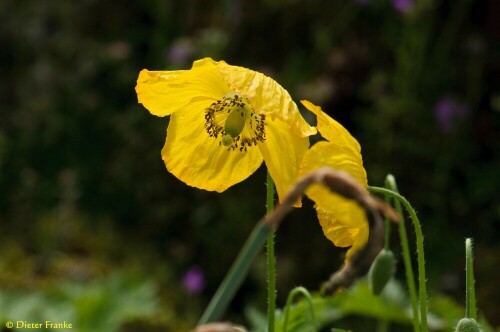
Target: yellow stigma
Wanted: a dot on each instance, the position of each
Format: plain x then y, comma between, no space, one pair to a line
227,140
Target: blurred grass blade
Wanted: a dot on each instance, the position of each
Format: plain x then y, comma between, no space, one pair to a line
236,274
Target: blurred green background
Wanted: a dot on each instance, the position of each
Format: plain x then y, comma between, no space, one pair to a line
95,231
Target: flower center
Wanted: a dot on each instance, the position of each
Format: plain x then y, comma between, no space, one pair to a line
234,119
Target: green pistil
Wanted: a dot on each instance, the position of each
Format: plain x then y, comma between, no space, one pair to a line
235,122
227,118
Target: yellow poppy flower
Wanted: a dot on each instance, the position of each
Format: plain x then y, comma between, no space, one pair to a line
224,121
343,221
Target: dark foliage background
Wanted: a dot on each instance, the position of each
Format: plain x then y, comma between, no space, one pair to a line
84,192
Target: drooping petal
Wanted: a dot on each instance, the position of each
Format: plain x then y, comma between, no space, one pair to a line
330,129
343,235
165,92
336,156
282,151
198,159
340,218
266,96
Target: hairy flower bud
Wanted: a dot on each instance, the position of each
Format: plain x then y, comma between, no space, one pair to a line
381,271
467,325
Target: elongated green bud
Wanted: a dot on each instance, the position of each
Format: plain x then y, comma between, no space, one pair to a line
381,271
467,325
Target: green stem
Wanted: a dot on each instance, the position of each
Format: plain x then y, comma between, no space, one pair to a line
271,259
387,222
470,293
420,252
390,183
291,296
236,274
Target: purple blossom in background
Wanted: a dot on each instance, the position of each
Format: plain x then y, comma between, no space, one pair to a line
180,52
402,6
447,111
194,280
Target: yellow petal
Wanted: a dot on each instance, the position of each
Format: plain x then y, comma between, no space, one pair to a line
340,234
266,96
282,151
340,218
165,92
353,236
336,156
198,160
330,129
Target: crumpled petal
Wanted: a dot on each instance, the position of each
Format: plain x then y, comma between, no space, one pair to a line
198,160
282,153
343,221
331,130
336,156
166,92
343,235
266,96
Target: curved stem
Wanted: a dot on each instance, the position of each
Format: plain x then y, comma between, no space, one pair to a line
291,296
271,259
420,251
387,199
390,183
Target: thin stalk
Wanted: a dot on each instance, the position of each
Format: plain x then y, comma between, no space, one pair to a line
390,183
387,199
470,293
271,259
291,296
420,252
